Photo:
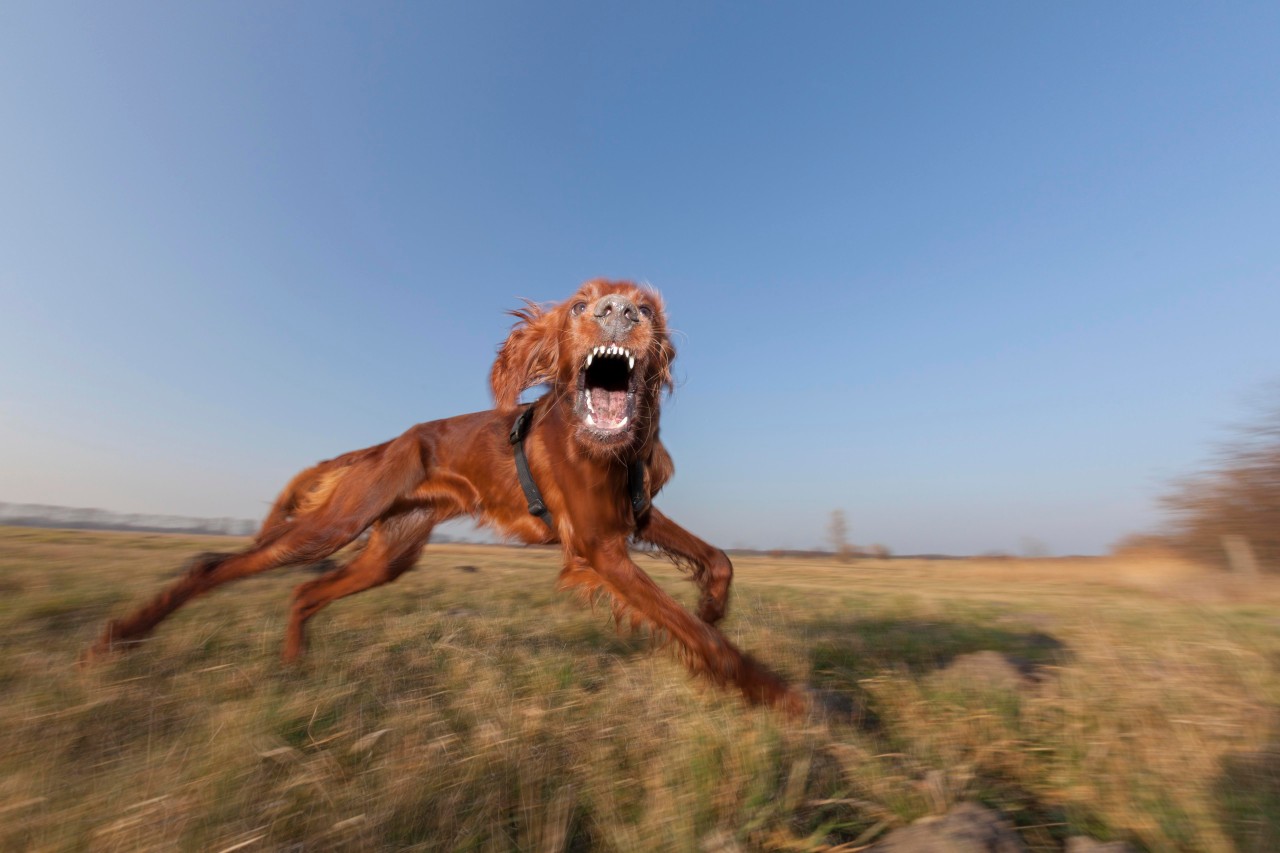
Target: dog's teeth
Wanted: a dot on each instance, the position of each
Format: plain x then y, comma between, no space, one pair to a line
631,363
589,357
612,351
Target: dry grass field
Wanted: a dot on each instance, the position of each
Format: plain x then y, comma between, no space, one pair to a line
470,706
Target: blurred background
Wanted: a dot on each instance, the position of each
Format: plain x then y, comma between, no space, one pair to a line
962,279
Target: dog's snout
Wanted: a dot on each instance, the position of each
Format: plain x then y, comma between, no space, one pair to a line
616,314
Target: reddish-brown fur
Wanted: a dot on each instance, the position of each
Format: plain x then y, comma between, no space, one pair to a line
399,490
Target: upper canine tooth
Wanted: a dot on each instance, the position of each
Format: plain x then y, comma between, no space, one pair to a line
589,357
631,363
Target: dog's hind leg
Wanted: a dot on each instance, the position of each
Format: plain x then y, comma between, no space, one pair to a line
351,500
710,567
207,571
394,546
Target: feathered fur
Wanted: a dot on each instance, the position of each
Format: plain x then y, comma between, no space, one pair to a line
588,428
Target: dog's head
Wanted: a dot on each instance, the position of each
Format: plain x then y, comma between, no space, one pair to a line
604,351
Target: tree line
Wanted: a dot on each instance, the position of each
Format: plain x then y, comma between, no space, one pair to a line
87,518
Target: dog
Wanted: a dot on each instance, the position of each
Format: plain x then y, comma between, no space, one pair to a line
578,467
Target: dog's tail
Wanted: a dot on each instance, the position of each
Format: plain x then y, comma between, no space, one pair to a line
286,504
308,490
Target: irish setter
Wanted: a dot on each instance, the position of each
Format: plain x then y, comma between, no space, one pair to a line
592,450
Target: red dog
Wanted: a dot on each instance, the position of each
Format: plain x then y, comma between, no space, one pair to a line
577,467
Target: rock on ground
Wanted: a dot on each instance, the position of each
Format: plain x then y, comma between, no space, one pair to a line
967,828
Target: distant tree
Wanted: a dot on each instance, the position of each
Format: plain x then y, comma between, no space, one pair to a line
1033,547
879,552
838,535
1231,512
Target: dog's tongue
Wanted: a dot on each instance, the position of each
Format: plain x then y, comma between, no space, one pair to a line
608,408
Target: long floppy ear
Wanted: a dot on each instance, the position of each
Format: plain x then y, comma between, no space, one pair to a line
529,356
659,469
662,374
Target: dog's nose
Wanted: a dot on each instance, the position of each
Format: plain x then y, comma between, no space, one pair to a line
616,314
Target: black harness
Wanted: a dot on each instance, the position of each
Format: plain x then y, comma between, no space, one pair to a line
635,478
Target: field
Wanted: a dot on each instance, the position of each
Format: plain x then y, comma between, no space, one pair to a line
471,706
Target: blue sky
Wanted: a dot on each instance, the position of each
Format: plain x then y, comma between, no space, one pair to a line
976,274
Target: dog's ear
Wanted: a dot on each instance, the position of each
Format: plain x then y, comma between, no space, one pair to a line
529,356
661,374
659,469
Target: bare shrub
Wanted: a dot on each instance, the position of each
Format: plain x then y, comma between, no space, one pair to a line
838,536
1236,500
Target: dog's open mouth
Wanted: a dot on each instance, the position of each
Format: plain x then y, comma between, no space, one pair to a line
606,389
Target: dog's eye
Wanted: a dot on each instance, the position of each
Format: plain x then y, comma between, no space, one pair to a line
647,312
579,307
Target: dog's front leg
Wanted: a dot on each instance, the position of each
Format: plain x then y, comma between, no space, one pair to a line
711,569
609,568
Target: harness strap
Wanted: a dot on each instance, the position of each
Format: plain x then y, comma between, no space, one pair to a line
635,475
639,497
536,507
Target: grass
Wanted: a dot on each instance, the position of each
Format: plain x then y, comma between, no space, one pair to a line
477,709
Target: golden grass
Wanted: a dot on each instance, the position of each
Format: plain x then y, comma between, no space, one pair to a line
481,710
